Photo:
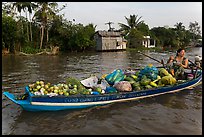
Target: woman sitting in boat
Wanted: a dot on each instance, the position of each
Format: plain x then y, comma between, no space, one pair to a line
177,64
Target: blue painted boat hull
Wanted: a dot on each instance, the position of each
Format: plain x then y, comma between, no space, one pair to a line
26,105
56,103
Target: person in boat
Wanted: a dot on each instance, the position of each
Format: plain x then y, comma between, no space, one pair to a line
177,64
198,61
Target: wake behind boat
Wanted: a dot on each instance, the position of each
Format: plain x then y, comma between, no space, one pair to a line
118,86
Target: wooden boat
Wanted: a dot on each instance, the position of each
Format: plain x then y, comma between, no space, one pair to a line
60,102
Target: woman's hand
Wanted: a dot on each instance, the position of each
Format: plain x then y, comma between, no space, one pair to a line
181,65
178,64
171,58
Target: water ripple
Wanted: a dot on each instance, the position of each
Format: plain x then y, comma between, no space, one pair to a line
182,111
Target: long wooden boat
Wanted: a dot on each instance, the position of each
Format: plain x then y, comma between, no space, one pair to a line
60,102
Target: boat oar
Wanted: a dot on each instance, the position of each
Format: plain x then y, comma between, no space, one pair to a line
162,62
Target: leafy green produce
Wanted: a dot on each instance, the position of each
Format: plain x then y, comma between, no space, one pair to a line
153,84
136,84
163,72
85,92
134,77
73,82
158,78
168,80
148,86
145,81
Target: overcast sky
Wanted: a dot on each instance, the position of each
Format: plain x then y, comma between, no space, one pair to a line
154,14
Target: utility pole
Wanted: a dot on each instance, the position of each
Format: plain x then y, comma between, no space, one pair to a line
109,23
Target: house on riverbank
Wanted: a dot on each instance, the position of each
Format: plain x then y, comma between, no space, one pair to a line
148,42
109,41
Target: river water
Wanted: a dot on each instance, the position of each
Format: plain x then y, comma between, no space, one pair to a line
170,114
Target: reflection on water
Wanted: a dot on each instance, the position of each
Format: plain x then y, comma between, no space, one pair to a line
178,113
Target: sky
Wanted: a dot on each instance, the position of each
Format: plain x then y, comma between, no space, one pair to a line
154,14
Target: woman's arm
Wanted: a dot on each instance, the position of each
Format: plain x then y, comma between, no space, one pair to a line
171,58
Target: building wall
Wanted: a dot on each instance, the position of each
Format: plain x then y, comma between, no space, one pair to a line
109,43
98,43
148,44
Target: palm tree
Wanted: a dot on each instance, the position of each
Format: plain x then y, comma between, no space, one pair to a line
180,33
45,14
132,23
179,26
131,32
26,7
30,6
8,8
194,28
19,7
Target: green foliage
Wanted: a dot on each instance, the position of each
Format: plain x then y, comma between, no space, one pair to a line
3,44
134,38
144,29
9,29
176,37
16,34
166,36
132,23
74,81
194,28
31,50
74,37
85,37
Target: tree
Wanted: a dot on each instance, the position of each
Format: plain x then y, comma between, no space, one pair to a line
29,6
45,14
19,7
194,28
7,8
144,28
166,37
180,33
132,23
135,38
25,6
130,31
179,26
9,29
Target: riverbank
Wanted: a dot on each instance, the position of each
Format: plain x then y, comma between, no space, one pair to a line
52,51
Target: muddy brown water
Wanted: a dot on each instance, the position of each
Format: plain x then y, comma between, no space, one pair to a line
170,114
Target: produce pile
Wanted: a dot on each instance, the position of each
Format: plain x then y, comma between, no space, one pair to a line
117,81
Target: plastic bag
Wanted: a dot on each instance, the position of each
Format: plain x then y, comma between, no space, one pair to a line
150,71
90,82
115,76
110,90
103,85
123,86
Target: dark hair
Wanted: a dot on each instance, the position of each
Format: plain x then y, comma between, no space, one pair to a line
178,51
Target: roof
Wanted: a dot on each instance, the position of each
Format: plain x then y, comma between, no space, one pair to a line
108,33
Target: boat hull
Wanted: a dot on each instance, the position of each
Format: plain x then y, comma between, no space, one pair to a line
45,106
55,103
